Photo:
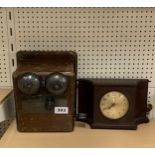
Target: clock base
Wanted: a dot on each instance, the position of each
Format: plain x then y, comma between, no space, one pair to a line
125,126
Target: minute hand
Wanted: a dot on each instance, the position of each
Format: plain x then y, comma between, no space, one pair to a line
113,104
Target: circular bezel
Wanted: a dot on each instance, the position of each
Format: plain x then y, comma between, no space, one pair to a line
107,114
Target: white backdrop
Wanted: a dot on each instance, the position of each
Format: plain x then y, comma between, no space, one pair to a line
110,42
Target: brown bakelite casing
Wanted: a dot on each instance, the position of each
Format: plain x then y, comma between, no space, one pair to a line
90,92
32,116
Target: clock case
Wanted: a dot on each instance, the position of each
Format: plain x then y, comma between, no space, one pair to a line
90,92
42,64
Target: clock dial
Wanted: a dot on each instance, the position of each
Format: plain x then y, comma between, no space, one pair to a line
114,105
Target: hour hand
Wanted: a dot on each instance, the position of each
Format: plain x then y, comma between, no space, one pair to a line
113,104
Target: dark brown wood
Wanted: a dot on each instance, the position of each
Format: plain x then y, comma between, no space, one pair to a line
90,92
42,64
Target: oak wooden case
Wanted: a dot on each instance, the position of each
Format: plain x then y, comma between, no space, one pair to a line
42,64
90,92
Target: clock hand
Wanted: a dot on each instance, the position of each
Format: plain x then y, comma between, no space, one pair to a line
113,104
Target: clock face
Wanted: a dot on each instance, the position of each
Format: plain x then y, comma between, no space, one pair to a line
114,105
